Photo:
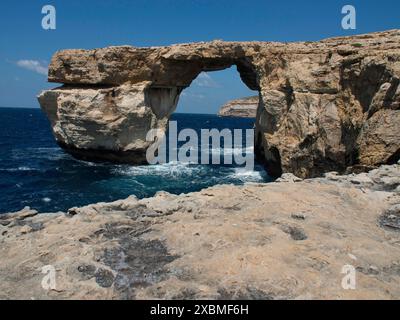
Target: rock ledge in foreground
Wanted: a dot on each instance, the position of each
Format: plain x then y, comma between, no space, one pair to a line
286,240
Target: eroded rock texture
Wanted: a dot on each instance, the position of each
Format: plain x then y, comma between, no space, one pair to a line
329,105
282,240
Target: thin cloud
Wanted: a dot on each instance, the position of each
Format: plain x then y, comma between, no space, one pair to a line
204,80
33,65
191,95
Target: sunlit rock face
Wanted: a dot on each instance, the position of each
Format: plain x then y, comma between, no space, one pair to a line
109,123
332,105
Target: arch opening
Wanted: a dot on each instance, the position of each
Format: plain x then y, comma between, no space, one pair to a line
197,109
216,84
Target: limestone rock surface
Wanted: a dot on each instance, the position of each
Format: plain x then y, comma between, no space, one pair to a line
270,241
331,105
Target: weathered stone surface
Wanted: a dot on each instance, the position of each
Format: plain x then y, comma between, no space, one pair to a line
269,241
324,106
240,108
288,177
109,123
391,218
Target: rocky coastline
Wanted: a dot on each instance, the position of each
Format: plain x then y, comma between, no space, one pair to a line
284,240
325,109
330,105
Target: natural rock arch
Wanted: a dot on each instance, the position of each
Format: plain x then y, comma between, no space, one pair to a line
162,98
324,106
112,97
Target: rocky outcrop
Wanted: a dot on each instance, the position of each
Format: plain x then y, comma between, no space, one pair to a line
328,105
109,123
286,240
240,108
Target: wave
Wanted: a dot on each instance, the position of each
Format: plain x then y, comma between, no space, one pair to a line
86,163
18,169
35,172
184,171
248,175
43,153
171,169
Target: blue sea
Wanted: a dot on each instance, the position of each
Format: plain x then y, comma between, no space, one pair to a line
35,172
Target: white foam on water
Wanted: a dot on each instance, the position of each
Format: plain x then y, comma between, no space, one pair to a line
171,169
247,175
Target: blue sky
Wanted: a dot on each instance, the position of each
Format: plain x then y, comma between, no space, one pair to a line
26,49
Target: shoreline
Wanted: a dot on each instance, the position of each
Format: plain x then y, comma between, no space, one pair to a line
287,239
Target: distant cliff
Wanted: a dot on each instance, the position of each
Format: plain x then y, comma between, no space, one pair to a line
242,108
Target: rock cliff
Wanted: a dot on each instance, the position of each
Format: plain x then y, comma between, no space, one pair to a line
241,108
328,105
286,240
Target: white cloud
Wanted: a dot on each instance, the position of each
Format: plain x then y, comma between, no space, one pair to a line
191,95
204,80
32,65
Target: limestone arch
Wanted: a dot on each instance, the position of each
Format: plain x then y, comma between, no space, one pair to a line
111,96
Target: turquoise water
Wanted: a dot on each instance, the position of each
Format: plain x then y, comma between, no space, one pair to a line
35,172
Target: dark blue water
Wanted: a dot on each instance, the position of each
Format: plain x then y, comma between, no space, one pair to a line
35,172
